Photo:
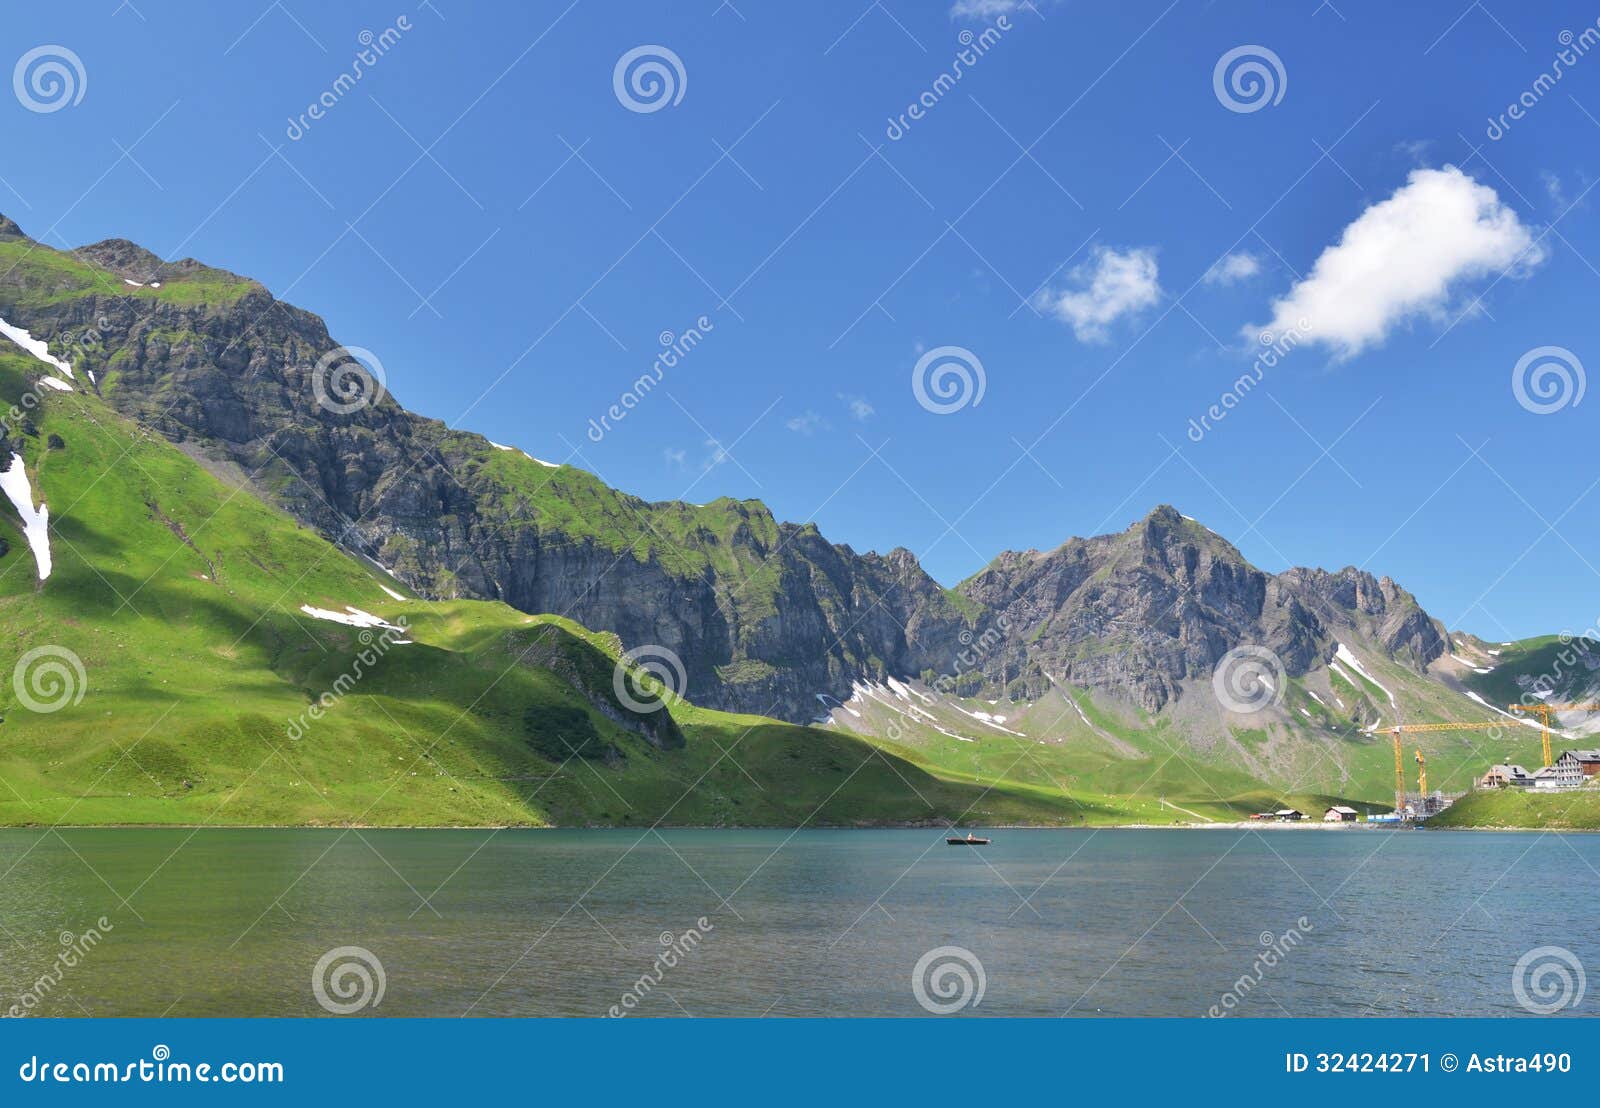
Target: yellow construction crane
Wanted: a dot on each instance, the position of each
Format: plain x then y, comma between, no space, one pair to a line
1420,728
1422,777
1545,711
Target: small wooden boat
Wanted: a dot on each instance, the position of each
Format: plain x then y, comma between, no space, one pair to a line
970,840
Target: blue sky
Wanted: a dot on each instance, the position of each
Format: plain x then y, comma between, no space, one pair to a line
1081,211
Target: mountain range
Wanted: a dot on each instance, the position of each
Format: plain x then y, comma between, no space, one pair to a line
184,396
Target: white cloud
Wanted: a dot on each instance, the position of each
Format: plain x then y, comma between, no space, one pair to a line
804,424
1233,268
860,408
719,454
1112,284
984,9
1406,257
675,458
1415,149
1553,188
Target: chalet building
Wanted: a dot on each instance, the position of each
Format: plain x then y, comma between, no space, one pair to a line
1340,814
1575,767
1506,777
1288,815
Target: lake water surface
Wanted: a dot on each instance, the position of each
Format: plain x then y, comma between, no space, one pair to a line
565,923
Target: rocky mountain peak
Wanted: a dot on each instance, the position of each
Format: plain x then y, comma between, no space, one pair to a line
124,258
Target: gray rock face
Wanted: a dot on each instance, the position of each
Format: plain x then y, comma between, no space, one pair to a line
764,615
1161,603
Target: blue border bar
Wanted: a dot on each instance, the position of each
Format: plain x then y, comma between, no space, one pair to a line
808,1062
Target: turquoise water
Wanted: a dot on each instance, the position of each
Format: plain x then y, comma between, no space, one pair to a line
1144,923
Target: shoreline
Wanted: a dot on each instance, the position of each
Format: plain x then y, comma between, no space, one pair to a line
1239,825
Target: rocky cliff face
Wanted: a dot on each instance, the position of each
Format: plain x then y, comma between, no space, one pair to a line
1144,611
765,615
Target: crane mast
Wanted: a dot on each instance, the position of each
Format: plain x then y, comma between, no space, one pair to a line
1544,712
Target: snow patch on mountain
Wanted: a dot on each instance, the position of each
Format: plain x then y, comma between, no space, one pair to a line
1462,661
1347,656
35,521
37,347
1520,719
350,617
525,454
988,721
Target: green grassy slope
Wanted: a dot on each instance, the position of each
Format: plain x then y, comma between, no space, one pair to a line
1143,770
1524,808
181,596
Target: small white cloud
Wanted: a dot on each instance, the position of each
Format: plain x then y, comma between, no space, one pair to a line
718,455
1556,188
1415,149
675,458
1110,285
984,9
1405,257
1233,268
859,407
805,424
1553,188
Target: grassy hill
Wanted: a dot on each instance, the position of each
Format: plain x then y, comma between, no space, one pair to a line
1524,808
187,673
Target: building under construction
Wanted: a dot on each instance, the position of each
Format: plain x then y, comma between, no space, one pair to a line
1572,770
